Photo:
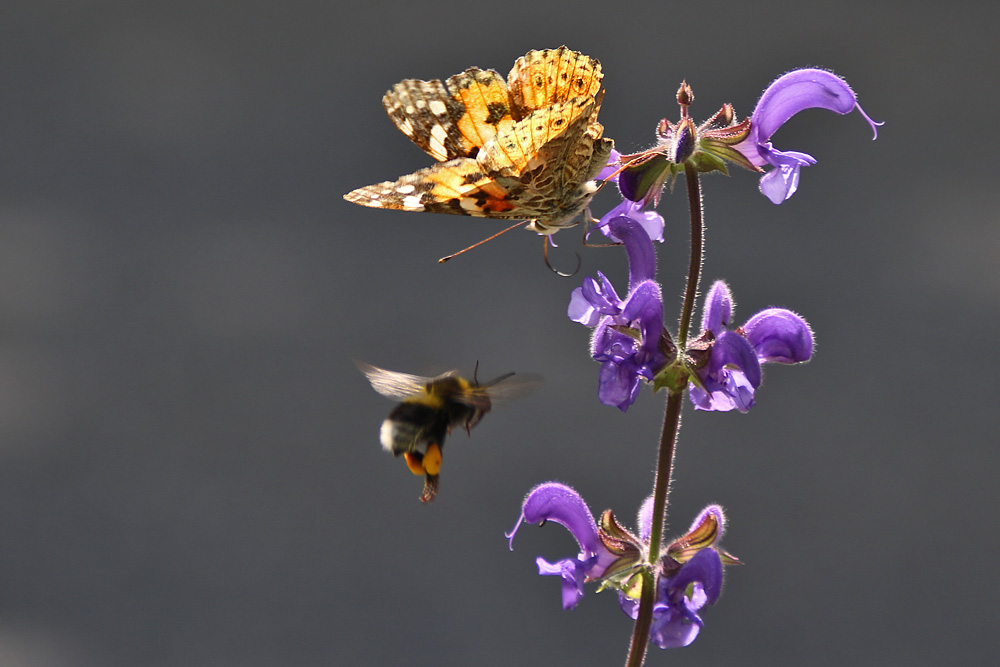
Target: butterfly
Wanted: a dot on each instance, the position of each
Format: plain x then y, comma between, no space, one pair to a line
528,148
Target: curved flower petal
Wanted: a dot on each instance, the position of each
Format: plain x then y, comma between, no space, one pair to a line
645,306
797,91
718,309
730,378
651,221
552,501
732,350
557,502
779,335
791,93
641,254
704,568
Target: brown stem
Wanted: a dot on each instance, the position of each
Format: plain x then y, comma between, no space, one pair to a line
668,436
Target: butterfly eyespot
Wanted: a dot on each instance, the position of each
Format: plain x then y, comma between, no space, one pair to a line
558,122
539,79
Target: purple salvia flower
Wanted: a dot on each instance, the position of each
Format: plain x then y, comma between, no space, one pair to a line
651,221
675,615
610,171
625,360
732,374
690,575
556,502
696,563
794,92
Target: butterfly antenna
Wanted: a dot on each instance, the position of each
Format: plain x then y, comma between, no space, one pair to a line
554,270
486,240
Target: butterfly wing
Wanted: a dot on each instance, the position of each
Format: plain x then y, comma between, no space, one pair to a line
542,78
458,186
530,171
529,152
452,119
547,159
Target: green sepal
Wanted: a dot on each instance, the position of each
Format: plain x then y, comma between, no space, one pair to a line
725,152
674,378
727,558
653,172
705,162
632,587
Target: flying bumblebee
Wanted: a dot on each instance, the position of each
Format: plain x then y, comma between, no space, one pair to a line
430,408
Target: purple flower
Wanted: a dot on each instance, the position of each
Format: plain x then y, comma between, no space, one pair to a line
689,575
695,579
627,332
552,501
794,92
675,613
732,373
610,171
651,221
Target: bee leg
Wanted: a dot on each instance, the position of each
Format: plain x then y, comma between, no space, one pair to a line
430,488
473,420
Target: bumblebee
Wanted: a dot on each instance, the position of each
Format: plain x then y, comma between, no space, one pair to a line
430,407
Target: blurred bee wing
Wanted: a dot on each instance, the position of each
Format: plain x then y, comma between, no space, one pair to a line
394,385
509,387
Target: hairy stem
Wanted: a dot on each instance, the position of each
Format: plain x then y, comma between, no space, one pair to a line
697,252
668,436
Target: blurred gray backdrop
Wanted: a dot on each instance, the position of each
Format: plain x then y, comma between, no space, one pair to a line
190,471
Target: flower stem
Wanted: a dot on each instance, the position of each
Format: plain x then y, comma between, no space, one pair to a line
668,441
697,252
668,436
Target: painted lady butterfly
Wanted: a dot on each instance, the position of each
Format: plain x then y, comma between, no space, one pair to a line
525,149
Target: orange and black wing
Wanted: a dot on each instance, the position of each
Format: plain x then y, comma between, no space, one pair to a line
451,119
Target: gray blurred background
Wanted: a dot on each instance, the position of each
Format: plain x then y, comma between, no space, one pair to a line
190,471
